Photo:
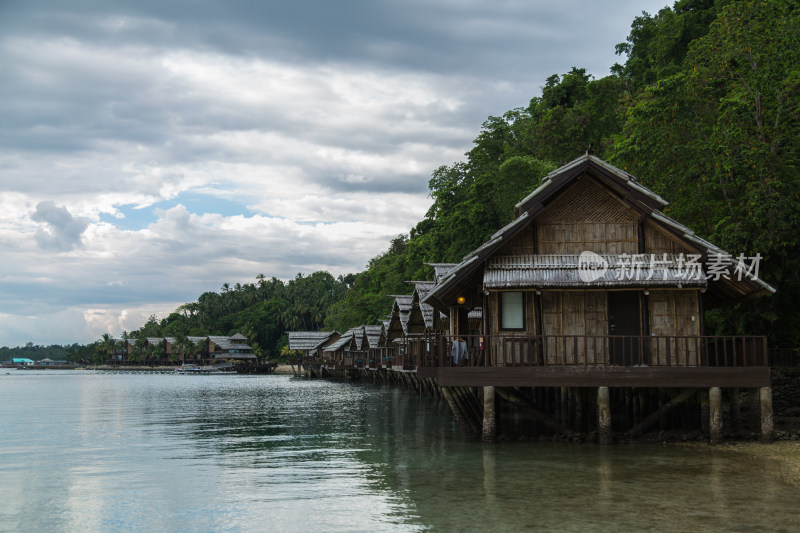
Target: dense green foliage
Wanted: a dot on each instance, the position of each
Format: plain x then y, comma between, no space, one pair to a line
720,138
34,352
705,111
262,311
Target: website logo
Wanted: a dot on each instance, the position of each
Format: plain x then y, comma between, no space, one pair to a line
591,266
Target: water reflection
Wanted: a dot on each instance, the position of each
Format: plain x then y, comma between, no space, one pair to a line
232,453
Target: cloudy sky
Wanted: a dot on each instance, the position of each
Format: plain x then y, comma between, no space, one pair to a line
153,150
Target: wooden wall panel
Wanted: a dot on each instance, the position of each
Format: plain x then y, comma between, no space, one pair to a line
508,352
656,242
521,244
674,314
596,326
552,325
583,314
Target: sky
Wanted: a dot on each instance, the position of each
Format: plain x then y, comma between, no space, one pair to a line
151,151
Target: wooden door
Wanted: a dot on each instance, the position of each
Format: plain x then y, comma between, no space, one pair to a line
624,327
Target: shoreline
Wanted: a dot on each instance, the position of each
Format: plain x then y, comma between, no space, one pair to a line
785,454
280,369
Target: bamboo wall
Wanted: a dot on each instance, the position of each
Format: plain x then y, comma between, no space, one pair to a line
587,217
676,313
583,313
657,242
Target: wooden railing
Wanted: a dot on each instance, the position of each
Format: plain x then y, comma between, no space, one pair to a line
588,350
784,356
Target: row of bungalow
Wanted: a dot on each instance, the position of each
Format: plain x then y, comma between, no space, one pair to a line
157,351
590,286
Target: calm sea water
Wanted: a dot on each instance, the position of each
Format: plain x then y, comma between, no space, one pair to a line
84,451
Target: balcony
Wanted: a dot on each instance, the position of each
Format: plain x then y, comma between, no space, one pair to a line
594,360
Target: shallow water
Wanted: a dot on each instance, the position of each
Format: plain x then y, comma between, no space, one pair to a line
104,452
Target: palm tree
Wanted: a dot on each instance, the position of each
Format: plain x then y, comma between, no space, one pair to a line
258,351
107,345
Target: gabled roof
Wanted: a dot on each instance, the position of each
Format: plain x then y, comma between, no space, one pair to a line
309,340
402,306
625,187
360,336
396,326
225,343
376,336
617,178
441,269
346,342
422,288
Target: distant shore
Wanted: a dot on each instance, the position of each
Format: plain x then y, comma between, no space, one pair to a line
280,369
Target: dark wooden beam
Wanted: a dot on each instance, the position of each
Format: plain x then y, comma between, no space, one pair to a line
613,376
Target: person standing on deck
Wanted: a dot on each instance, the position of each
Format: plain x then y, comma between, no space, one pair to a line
459,351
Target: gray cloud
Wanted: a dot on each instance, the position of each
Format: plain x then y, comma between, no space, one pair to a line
326,119
61,231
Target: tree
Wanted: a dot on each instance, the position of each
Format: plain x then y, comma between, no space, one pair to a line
721,138
107,346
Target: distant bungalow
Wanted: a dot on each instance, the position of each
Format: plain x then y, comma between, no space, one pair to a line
158,351
590,287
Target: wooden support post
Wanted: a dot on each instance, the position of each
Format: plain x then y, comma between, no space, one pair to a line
704,413
715,415
462,410
767,425
604,435
489,415
663,399
577,408
736,411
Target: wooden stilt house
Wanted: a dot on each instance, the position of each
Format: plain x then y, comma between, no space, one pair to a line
312,343
407,312
376,340
592,285
349,351
436,322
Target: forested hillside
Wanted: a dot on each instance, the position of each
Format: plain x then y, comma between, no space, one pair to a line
704,110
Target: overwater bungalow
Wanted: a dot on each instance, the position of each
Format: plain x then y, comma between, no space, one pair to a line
340,353
376,340
312,343
592,286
